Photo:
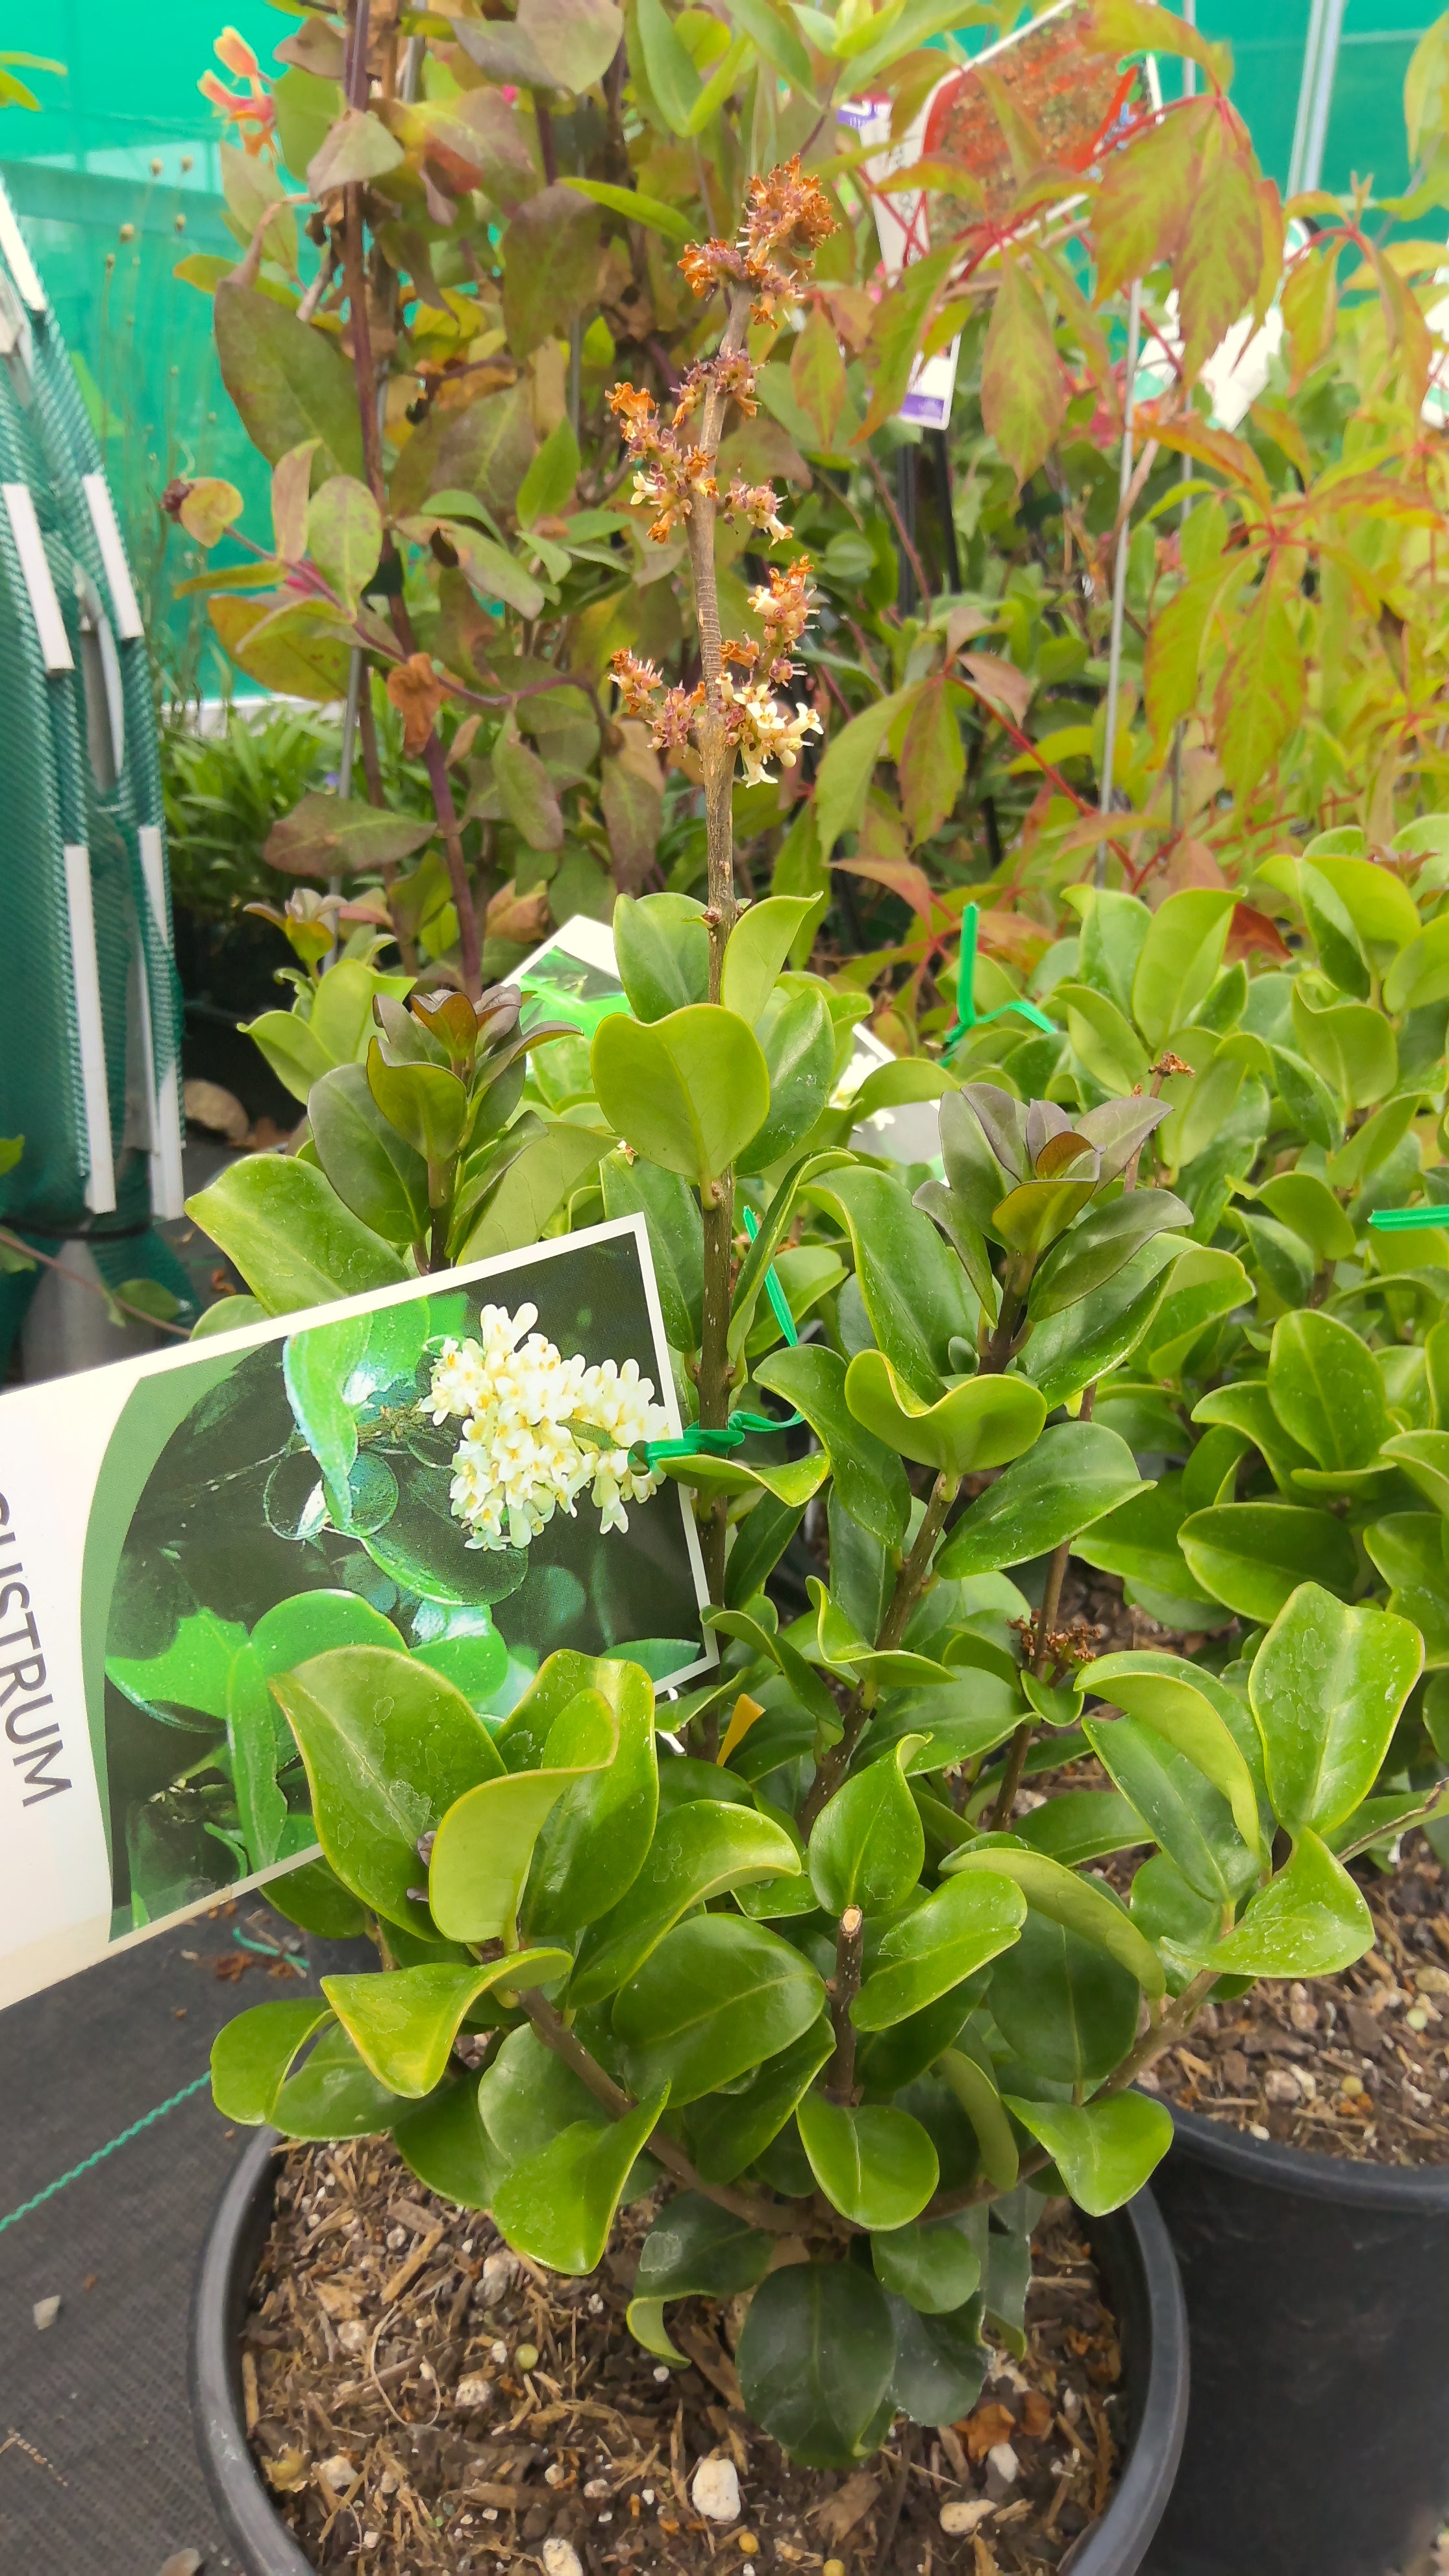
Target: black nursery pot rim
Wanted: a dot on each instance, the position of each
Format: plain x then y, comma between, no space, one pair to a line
1422,2189
1115,2546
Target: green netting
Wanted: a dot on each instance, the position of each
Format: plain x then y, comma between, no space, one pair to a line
85,777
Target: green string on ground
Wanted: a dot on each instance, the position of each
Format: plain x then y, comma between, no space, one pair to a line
101,2153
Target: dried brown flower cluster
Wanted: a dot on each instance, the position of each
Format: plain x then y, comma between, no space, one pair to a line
786,219
672,474
757,726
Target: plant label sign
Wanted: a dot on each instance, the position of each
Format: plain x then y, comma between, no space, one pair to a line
450,1470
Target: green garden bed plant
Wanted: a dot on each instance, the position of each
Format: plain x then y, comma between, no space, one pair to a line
817,1970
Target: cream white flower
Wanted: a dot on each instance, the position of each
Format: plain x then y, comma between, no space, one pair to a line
521,1457
762,728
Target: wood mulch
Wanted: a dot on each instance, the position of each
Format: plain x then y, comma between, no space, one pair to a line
1355,2065
421,2400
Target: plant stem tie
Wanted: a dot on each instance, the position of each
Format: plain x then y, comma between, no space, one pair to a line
967,1016
101,2153
700,1443
1408,1220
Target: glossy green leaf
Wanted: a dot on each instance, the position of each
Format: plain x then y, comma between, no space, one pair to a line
1063,2005
1101,1244
1309,1921
1080,1825
805,1683
1349,1044
941,2361
729,2130
913,1289
693,2250
797,1041
1205,1285
426,1103
1139,1541
1181,1810
715,1999
314,1898
814,2360
1408,1550
374,1171
931,2263
252,2055
1248,1407
444,2143
1180,958
1063,1898
868,1475
558,2207
1075,1474
876,2165
976,2092
1103,1039
1327,1685
290,1235
333,2095
536,1185
698,1851
688,1091
485,1843
676,1237
1105,2151
1327,1390
661,947
1189,1708
595,1841
527,2096
1067,1351
1302,1200
403,2025
388,1747
965,1923
1424,1458
980,1424
867,1847
759,946
1251,1556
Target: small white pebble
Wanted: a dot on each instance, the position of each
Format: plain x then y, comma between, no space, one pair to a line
1257,2130
387,2484
555,2474
397,2238
467,2249
596,2304
490,2513
1002,2458
959,2519
500,2271
596,2488
606,2517
338,2471
648,2496
560,2558
476,2389
498,2355
45,2312
426,2370
715,2490
370,2539
352,2335
1072,2404
661,2370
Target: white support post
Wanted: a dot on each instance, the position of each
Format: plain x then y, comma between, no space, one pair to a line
168,1186
125,609
90,1030
55,650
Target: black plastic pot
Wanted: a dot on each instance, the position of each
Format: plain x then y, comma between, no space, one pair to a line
1131,2247
1318,2302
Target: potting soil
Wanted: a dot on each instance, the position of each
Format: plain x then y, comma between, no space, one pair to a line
424,2403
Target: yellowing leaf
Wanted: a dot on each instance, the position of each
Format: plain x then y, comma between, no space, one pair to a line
1023,389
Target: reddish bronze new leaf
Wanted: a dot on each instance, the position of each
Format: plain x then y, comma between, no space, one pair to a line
932,761
1219,264
1023,389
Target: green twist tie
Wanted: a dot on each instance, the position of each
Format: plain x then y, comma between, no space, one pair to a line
1407,1220
718,1444
967,1017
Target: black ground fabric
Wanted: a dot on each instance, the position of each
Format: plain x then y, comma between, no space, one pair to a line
98,2473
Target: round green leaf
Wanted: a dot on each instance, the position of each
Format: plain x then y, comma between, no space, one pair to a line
251,2056
716,1998
876,2165
443,2141
688,1091
559,2206
979,1424
485,1843
1105,2151
1327,1391
1064,1898
290,1235
931,2263
815,2360
1251,1556
403,2024
1327,1686
1309,1921
867,1473
937,1946
1063,2004
797,1040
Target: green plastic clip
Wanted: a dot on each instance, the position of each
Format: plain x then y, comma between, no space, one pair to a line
967,1017
1408,1220
740,1426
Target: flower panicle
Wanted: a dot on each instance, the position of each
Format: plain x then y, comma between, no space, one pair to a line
537,1430
787,217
